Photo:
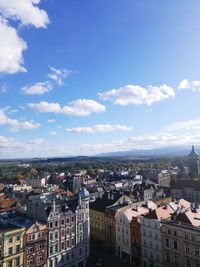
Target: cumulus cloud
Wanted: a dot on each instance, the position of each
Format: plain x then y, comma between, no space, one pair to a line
137,95
37,89
16,125
58,75
100,128
25,11
193,85
80,107
12,45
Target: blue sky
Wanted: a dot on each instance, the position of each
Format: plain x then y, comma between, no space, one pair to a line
82,77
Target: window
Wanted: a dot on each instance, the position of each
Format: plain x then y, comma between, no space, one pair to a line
63,245
175,244
30,249
188,263
150,234
17,248
63,221
30,261
187,248
56,235
67,244
168,256
51,236
167,242
18,237
31,237
9,263
80,251
40,258
176,260
56,223
196,251
51,225
56,248
51,250
40,246
41,234
10,251
17,262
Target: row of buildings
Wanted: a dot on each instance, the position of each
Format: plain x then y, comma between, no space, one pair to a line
148,234
53,231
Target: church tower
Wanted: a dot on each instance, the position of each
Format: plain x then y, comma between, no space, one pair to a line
194,162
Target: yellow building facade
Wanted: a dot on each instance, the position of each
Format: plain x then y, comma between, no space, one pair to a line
11,246
97,225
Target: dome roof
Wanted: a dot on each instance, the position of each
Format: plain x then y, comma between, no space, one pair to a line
83,193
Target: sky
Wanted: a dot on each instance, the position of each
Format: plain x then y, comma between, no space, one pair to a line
85,77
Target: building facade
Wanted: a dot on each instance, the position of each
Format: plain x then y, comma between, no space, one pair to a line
68,227
11,246
181,239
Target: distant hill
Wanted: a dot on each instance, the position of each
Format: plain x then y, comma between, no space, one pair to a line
157,152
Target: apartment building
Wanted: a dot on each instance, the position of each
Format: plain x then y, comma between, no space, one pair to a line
181,239
68,227
128,241
11,246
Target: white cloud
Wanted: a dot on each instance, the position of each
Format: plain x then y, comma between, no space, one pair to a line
51,120
100,128
193,85
137,95
35,142
58,75
143,142
12,46
183,125
80,107
37,89
25,11
16,125
10,148
53,133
